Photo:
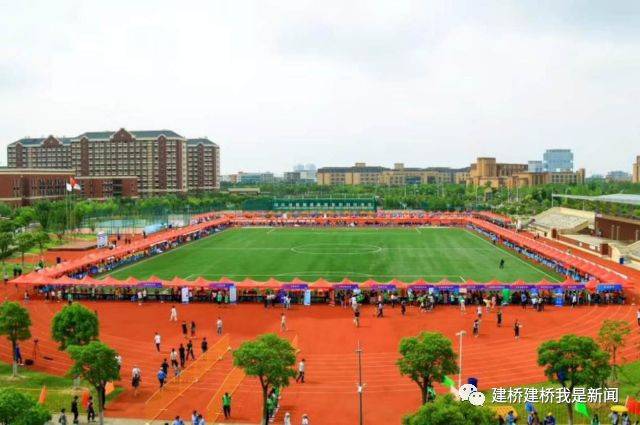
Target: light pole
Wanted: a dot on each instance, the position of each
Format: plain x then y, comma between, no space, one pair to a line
460,334
360,385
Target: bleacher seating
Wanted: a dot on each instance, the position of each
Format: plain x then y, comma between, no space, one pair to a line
563,220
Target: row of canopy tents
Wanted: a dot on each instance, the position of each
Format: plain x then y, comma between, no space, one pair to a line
60,271
298,284
568,260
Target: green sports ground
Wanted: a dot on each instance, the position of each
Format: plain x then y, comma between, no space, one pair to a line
381,254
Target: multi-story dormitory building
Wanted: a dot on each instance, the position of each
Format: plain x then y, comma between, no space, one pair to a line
161,161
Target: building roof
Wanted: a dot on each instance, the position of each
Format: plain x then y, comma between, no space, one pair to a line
141,134
352,169
618,198
37,141
201,140
377,169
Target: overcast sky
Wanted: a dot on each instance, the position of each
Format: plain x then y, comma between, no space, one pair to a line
276,83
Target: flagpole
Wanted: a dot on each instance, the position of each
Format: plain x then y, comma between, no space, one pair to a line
460,334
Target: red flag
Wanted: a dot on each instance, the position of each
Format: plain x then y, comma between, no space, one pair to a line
633,405
43,395
85,398
109,388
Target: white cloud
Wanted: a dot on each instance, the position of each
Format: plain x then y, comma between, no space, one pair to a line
278,83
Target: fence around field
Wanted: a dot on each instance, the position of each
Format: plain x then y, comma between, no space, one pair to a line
160,401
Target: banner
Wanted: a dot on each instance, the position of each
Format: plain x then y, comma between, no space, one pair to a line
233,297
307,297
103,240
185,295
559,297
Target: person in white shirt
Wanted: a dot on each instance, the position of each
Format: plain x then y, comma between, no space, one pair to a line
136,377
119,360
463,309
638,316
301,367
305,420
174,314
287,419
157,340
219,326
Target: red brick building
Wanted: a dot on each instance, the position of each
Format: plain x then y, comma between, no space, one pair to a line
163,161
24,186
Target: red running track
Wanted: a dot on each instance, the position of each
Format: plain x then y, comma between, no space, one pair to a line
327,339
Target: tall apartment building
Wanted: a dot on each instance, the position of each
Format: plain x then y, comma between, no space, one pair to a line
399,175
161,160
636,170
203,164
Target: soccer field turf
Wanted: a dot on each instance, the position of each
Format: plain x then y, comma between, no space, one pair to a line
356,253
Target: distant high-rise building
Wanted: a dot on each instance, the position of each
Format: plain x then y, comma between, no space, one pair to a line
558,160
618,176
636,170
535,167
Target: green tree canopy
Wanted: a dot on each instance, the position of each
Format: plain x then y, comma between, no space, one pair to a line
269,358
6,244
24,242
74,325
426,359
447,411
574,361
40,239
14,324
612,335
96,363
17,408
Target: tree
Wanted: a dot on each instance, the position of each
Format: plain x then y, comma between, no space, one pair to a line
96,363
24,242
427,358
41,238
574,361
74,325
19,409
271,359
14,324
6,245
612,335
447,411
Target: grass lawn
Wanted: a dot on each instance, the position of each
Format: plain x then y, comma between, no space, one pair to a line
60,390
628,384
357,253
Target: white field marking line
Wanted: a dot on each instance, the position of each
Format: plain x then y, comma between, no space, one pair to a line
418,230
461,278
554,279
270,230
119,269
328,273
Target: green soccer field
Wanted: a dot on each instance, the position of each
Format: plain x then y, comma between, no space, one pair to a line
358,254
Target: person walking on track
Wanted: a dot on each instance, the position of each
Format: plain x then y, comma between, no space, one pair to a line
157,340
219,326
283,322
174,314
301,368
226,405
